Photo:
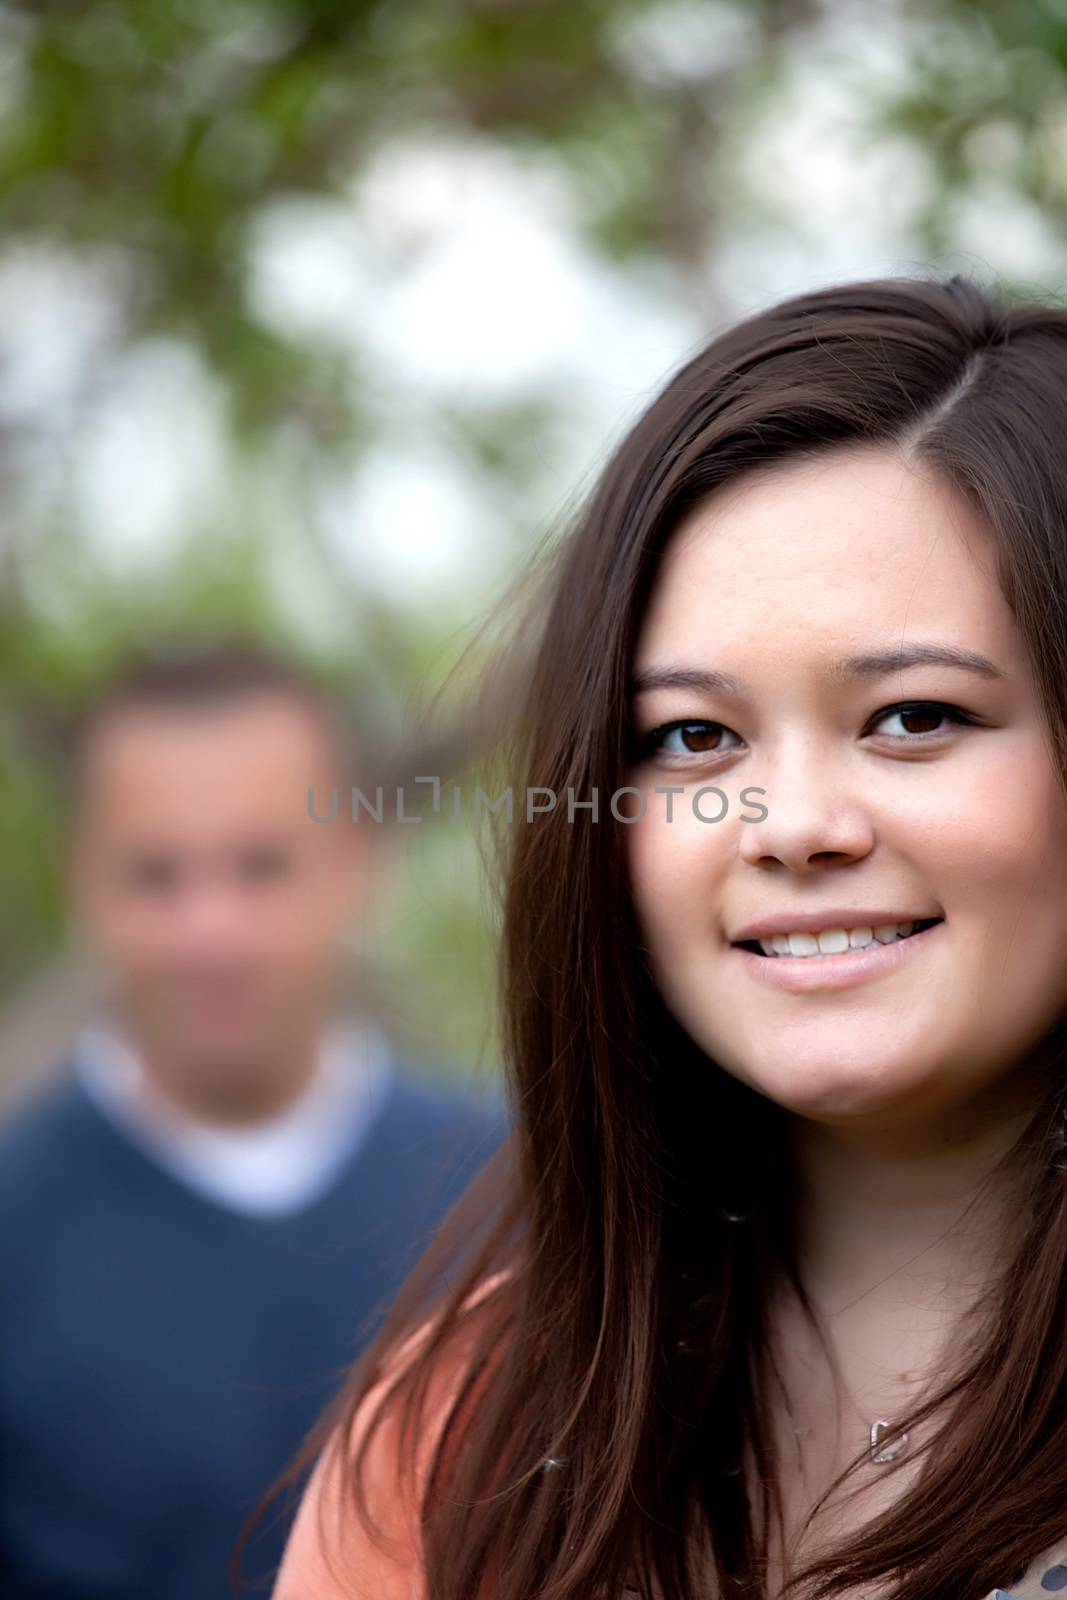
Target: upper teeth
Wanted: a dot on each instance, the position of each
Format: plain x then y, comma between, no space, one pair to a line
833,940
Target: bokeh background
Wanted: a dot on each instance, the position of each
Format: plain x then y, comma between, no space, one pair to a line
317,318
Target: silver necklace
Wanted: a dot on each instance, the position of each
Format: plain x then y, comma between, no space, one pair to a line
875,1429
875,1452
891,1452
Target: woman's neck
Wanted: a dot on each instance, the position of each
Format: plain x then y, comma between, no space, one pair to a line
898,1236
885,1210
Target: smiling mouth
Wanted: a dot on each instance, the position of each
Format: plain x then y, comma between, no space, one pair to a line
756,948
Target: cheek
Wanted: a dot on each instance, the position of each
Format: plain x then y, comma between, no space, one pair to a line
1004,859
140,936
303,931
1013,888
675,871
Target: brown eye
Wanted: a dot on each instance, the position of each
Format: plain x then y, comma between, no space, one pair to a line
928,714
698,737
261,864
151,873
923,714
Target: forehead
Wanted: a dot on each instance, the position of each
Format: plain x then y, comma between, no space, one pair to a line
249,758
819,554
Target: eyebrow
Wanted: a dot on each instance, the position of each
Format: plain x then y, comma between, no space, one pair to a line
850,669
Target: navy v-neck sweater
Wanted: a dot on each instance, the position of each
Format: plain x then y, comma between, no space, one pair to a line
162,1356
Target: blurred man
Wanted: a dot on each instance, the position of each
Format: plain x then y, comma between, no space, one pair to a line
232,1173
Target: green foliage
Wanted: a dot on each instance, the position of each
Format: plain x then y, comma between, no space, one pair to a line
160,134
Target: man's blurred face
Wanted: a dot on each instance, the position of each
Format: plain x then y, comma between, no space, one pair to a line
216,903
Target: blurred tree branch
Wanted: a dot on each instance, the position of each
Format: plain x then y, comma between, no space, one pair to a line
148,142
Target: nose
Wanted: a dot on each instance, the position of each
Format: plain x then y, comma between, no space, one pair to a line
815,819
213,913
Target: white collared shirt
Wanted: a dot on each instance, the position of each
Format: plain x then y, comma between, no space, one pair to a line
272,1167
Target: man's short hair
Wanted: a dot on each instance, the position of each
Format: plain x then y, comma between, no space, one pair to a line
205,677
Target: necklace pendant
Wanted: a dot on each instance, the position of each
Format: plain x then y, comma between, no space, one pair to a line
889,1454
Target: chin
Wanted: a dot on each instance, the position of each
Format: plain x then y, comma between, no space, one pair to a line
822,1081
839,1104
226,1057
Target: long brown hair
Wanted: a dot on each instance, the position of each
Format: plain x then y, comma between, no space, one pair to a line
642,1207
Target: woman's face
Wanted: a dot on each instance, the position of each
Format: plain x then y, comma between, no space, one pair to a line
875,813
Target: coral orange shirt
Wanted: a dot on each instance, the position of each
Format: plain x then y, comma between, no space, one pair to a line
330,1554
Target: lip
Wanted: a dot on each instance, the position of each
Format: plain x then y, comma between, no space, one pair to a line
831,917
799,973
